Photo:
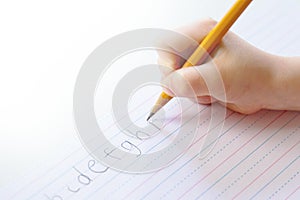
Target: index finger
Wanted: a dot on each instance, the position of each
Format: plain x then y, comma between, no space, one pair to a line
169,58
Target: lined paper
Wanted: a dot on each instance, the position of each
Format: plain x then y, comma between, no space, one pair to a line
256,156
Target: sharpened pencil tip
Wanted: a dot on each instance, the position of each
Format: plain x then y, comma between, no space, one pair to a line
151,114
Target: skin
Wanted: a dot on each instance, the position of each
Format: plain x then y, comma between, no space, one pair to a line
252,79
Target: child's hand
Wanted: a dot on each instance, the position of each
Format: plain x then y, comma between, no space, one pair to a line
251,77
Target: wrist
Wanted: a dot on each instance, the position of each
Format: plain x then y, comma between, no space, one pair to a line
284,92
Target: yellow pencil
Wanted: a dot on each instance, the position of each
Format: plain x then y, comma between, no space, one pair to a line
207,45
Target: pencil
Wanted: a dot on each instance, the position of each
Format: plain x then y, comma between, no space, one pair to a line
206,47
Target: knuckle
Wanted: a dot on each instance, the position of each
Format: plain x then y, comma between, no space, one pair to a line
207,22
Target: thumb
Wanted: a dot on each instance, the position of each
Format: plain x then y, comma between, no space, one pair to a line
202,80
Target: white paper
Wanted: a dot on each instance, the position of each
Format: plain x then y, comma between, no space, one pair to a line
256,156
